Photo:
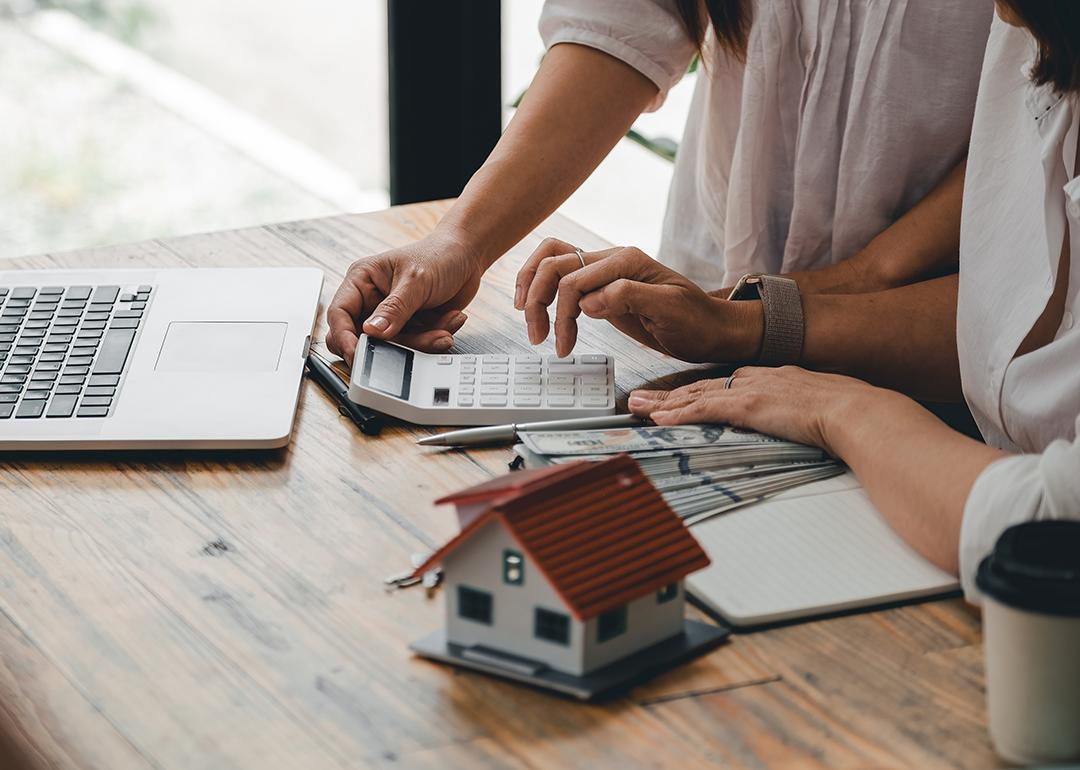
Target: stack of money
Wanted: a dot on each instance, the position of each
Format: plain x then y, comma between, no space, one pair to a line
701,470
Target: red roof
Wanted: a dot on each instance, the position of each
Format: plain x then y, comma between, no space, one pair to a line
600,532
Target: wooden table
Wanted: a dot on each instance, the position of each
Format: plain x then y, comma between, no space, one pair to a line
227,610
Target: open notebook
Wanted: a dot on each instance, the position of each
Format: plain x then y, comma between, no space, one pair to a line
816,550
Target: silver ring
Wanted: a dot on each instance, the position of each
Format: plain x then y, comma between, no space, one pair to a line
580,256
730,379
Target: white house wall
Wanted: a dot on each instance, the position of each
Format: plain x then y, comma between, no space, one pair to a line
646,624
478,563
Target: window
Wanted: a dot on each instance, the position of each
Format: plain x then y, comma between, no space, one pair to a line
611,624
667,593
552,626
474,605
513,567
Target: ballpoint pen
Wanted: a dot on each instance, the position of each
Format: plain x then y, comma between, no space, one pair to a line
369,423
495,434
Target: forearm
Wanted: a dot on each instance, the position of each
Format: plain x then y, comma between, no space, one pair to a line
922,244
580,104
916,470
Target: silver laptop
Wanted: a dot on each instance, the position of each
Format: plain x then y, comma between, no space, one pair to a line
153,359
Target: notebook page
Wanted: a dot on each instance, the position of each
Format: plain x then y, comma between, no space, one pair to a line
818,549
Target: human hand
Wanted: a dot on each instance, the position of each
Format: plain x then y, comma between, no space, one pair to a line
413,294
637,295
787,402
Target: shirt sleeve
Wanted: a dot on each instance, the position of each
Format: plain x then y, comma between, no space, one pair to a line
648,35
1013,490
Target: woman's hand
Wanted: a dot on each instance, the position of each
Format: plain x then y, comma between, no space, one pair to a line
414,294
638,296
787,402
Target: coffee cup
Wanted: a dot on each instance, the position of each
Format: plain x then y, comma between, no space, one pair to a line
1031,637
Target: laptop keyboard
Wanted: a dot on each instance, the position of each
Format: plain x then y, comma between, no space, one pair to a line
63,349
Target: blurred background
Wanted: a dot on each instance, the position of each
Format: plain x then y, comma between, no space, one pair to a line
122,120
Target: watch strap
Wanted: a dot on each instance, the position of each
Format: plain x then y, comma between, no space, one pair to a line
782,308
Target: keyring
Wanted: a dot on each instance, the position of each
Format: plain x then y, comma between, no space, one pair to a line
580,255
730,379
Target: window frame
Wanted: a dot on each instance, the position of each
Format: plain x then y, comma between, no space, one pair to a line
562,617
667,593
605,633
507,554
463,592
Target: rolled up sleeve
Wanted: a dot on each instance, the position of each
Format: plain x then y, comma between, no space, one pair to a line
1014,490
648,35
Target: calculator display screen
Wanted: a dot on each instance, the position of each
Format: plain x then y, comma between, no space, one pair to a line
387,369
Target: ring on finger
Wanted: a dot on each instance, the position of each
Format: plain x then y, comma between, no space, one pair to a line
580,255
730,380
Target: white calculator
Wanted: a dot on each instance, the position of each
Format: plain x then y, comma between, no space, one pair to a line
431,389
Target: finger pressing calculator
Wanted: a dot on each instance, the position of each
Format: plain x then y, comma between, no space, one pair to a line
431,389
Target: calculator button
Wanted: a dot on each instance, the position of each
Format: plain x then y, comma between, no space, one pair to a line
465,401
527,368
496,359
527,359
466,390
494,379
493,389
495,369
468,368
592,358
526,379
560,379
556,360
526,400
592,379
561,390
467,359
594,390
492,400
553,400
594,401
444,360
468,378
527,389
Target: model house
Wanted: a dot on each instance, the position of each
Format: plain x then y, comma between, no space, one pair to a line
568,568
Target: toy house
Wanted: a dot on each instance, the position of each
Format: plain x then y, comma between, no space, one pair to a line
568,576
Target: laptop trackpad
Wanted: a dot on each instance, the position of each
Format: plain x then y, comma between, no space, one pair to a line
222,346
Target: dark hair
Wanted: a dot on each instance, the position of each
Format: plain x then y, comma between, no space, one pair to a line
1055,24
730,20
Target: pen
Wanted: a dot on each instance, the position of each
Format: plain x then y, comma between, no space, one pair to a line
501,433
369,423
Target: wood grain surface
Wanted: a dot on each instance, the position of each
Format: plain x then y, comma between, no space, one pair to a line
226,610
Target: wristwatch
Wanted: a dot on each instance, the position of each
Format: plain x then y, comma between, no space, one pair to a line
781,303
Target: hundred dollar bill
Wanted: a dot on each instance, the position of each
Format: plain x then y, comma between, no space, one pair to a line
641,439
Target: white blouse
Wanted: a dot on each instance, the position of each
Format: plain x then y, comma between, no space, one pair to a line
1021,195
845,114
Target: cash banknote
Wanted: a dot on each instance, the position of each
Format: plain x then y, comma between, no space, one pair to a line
639,439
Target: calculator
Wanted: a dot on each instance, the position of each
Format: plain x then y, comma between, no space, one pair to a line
432,389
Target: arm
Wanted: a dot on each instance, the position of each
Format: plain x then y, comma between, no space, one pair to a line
918,472
578,106
924,243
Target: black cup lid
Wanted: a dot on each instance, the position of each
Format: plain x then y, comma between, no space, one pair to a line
1035,566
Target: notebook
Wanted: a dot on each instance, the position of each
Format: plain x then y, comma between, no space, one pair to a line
816,550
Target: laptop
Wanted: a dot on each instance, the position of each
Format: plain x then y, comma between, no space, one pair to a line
153,359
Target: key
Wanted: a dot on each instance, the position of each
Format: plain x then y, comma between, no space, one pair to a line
6,387
465,401
72,379
17,369
561,390
527,359
30,409
466,390
68,389
81,370
555,400
127,297
106,294
96,400
496,359
468,359
594,390
494,379
78,292
526,400
47,366
99,380
594,401
125,323
13,379
495,369
52,357
526,390
62,406
526,379
468,378
8,398
42,376
93,411
493,400
36,395
92,325
560,379
23,292
527,369
6,410
68,313
114,351
90,334
556,360
97,316
592,358
39,385
592,379
144,289
100,391
492,389
49,291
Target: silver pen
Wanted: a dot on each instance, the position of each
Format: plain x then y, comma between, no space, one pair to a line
495,434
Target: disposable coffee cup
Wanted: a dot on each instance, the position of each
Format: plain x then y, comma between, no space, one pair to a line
1031,639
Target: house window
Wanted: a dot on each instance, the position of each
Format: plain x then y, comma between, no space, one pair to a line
667,593
552,626
474,605
513,567
611,624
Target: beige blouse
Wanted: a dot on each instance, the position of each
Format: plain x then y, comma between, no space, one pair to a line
844,115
